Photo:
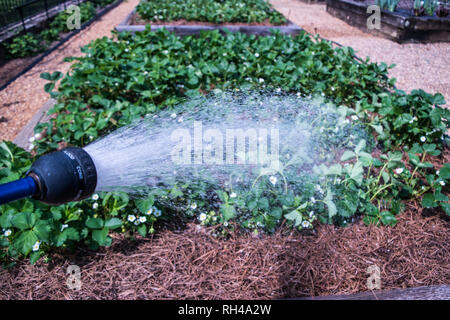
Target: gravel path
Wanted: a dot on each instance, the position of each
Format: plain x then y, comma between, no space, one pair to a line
25,96
424,66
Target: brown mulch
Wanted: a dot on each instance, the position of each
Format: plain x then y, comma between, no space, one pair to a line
191,264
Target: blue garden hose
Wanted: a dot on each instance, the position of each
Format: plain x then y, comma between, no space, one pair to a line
22,188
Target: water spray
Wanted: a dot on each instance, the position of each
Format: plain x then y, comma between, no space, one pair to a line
55,178
227,141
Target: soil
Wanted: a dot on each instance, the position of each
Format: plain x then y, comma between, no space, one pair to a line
137,20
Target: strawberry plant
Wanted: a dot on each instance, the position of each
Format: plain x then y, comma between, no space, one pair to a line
222,11
24,46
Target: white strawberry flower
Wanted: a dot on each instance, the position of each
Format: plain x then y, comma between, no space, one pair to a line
273,180
7,233
31,139
149,211
423,139
131,218
142,219
354,117
95,197
95,206
157,213
257,54
202,217
442,183
233,195
194,206
36,245
398,170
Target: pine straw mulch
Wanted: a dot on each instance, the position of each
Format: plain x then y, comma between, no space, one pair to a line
191,264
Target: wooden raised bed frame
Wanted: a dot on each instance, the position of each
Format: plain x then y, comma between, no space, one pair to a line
399,26
183,30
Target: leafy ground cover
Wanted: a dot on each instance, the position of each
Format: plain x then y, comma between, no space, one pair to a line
120,80
210,11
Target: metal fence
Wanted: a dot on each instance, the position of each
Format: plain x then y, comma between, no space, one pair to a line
13,11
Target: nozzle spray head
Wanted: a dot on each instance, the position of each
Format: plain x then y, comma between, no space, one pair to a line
64,176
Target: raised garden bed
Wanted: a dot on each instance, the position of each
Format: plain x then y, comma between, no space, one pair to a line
400,25
182,28
182,17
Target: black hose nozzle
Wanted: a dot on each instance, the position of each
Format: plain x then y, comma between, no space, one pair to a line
64,176
55,178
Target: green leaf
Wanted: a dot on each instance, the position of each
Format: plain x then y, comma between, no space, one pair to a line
263,204
446,207
335,169
142,230
294,216
24,220
144,204
113,223
276,213
46,76
428,201
228,211
361,145
94,223
330,204
34,257
25,241
100,236
444,172
347,155
357,173
388,218
42,229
